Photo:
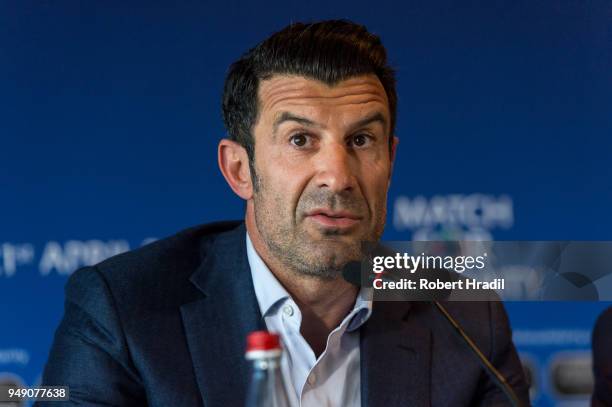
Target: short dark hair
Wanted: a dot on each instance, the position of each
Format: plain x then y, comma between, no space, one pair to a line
329,51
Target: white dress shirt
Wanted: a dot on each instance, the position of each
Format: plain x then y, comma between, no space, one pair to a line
332,379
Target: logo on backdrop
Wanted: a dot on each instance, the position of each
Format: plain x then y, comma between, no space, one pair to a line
454,216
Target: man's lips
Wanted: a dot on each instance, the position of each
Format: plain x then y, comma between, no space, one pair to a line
336,219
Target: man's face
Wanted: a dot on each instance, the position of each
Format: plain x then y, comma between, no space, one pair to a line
323,168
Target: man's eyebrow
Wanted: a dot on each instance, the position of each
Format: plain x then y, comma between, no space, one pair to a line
374,117
290,117
287,116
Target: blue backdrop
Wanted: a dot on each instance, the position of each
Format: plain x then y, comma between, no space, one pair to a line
110,116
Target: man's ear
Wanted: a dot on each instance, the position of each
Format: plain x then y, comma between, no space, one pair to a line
234,165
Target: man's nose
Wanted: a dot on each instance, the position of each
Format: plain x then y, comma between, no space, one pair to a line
335,170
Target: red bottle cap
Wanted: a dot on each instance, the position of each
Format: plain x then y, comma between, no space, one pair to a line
262,340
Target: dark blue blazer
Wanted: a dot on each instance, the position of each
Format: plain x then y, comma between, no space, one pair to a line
165,325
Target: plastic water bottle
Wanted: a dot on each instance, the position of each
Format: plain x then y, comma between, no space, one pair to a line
266,388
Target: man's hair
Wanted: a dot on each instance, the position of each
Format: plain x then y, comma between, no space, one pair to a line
328,51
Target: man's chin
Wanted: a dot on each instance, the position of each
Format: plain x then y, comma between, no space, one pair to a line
334,254
333,236
319,268
325,243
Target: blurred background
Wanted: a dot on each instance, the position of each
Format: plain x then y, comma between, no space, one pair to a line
110,117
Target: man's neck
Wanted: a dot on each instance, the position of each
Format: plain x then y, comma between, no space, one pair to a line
324,303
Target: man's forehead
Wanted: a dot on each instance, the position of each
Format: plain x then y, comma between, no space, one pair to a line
281,91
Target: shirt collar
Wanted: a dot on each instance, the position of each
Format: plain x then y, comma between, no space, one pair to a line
362,309
270,292
267,288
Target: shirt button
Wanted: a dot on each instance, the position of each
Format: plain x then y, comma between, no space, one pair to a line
288,310
312,379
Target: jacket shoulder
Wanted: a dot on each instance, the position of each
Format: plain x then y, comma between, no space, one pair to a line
157,274
181,252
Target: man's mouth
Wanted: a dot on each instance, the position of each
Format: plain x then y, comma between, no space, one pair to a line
334,219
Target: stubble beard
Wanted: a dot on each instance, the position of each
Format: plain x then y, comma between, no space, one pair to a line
295,248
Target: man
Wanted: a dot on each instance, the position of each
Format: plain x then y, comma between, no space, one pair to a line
602,360
311,115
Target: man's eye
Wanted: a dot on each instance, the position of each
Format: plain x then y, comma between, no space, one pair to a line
299,140
359,140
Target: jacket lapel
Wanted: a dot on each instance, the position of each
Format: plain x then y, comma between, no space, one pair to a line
395,358
217,325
